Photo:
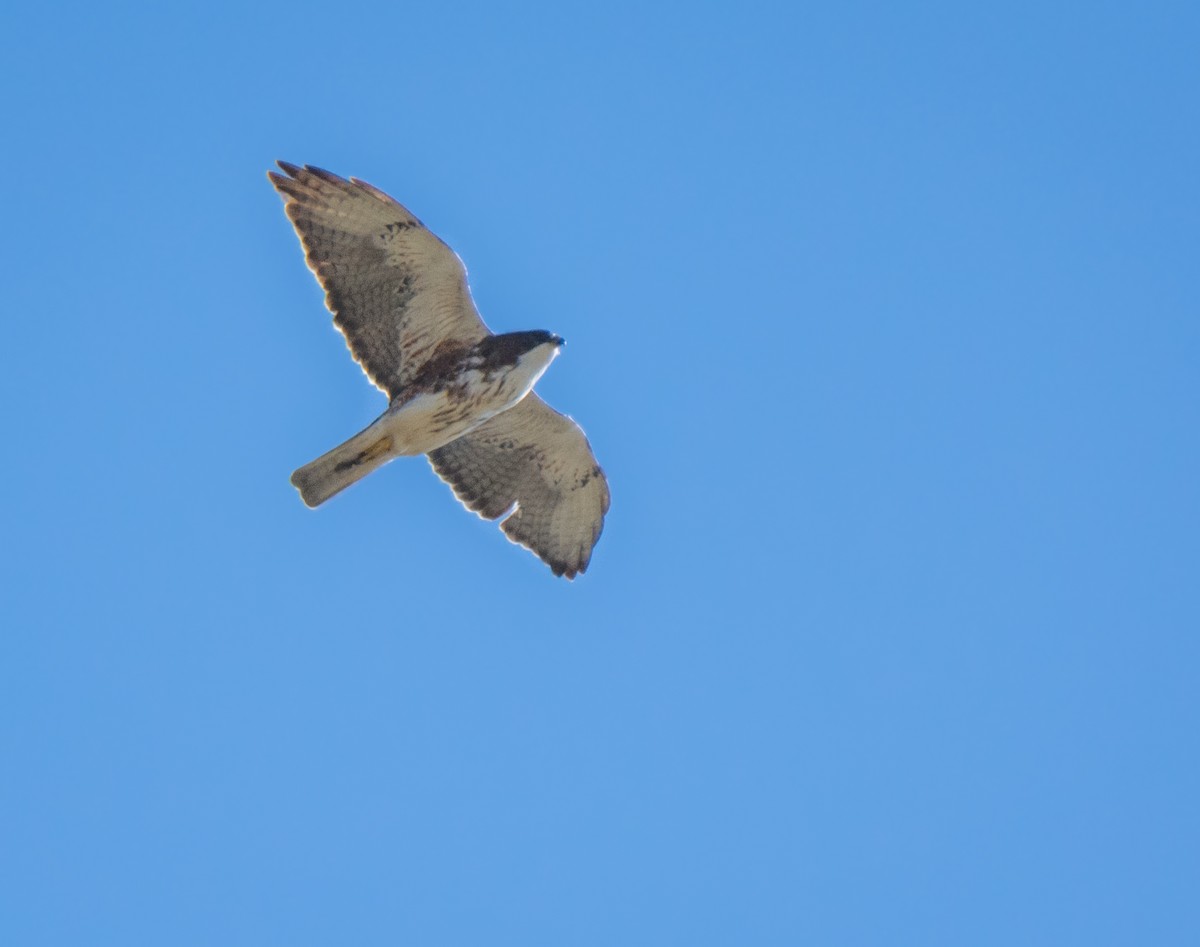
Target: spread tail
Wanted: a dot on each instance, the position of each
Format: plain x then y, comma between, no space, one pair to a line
346,464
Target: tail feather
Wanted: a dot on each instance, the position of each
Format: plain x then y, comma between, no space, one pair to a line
346,464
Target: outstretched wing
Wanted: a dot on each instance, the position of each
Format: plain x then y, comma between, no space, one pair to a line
540,460
395,290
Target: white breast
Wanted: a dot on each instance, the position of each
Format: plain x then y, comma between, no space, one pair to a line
429,421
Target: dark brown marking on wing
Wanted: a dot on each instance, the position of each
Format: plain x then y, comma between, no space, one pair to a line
441,370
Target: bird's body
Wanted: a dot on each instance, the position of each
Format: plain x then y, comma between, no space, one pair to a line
471,385
457,393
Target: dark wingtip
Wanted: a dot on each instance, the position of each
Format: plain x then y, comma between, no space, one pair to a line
324,175
565,571
290,169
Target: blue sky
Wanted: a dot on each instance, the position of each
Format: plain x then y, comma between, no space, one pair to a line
883,321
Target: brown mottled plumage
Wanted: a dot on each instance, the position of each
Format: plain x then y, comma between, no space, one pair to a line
456,392
530,455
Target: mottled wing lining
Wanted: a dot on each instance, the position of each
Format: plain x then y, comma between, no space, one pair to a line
395,290
540,460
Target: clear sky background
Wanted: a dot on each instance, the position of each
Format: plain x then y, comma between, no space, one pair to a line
884,322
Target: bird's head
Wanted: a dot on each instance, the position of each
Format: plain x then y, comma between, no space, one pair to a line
514,348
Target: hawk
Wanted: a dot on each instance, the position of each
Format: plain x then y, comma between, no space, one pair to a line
457,393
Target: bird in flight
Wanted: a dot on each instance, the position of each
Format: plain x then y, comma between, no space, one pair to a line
457,393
